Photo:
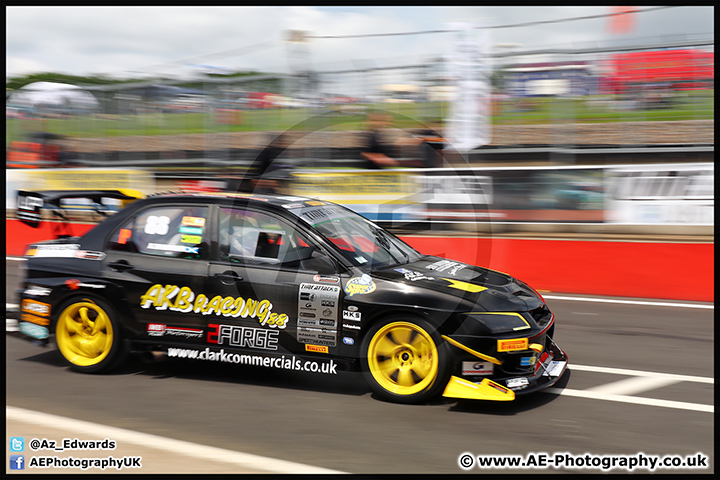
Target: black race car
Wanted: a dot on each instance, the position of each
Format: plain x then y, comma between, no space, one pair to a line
286,283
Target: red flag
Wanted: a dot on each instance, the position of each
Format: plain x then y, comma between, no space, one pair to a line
622,21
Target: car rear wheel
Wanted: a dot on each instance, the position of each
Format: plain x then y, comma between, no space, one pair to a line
405,360
88,336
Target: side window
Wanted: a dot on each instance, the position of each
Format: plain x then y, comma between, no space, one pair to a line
251,237
172,231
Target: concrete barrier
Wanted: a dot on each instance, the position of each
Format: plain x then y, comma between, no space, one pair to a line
665,270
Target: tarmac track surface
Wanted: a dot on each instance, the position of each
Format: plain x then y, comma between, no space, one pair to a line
640,382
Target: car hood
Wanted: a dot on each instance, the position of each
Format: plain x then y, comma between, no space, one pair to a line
487,289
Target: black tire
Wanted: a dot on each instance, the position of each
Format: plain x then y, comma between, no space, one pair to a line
88,335
405,360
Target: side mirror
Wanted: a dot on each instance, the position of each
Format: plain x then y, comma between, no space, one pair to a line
321,263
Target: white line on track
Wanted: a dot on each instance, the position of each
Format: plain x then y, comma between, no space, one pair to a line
631,302
178,447
633,385
641,373
698,407
623,390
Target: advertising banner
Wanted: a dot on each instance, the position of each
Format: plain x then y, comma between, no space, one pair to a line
450,195
75,179
675,194
469,64
377,195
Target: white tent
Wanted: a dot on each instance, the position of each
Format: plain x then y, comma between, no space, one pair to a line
53,94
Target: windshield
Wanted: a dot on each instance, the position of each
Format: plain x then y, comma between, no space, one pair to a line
361,241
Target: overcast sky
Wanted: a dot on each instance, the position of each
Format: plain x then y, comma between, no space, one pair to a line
127,41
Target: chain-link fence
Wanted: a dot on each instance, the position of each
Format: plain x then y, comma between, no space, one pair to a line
647,96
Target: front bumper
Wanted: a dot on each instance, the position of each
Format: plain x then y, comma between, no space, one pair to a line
549,366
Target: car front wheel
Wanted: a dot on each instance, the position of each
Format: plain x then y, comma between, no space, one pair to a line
405,360
88,336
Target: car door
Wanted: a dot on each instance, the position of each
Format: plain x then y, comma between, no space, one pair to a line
276,289
159,259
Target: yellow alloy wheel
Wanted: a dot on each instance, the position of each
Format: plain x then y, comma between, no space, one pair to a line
403,358
84,333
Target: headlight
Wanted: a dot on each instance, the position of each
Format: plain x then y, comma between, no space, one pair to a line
501,322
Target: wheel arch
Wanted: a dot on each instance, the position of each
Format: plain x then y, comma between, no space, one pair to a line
439,319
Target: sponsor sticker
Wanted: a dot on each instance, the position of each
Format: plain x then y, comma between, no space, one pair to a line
156,329
58,251
347,315
519,382
413,276
512,344
555,368
37,291
326,279
318,313
360,285
28,209
35,331
527,361
193,221
191,239
124,235
317,348
33,319
317,336
477,368
452,267
36,308
172,248
245,337
159,330
348,341
191,230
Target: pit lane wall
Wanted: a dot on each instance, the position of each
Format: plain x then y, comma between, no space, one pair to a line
650,196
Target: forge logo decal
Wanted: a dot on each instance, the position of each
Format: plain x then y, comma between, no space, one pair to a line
246,337
184,300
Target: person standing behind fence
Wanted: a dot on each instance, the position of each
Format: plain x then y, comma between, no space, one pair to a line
382,146
378,150
265,173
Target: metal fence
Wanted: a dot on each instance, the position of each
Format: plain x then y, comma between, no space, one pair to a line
646,96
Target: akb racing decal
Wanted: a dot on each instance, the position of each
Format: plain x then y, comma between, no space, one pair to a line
183,300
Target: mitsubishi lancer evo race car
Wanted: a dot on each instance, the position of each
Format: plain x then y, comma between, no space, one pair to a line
286,283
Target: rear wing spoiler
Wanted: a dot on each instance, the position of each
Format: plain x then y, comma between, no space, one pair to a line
30,204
